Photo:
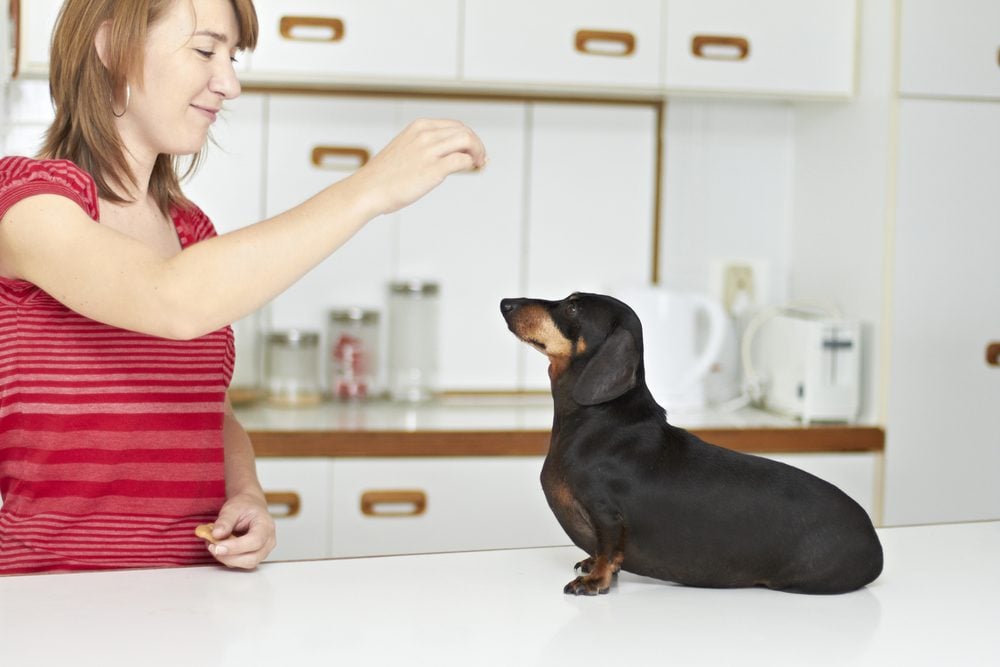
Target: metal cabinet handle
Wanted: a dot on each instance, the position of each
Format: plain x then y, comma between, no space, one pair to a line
311,28
590,42
290,500
340,158
393,503
720,47
993,354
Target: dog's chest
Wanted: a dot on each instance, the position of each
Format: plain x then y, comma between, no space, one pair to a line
570,513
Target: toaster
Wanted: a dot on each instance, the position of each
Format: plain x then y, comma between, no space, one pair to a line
810,367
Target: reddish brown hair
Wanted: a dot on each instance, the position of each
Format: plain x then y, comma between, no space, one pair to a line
84,90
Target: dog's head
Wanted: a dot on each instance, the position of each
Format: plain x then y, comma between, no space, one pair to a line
595,338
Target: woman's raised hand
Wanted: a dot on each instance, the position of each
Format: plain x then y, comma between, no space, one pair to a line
416,162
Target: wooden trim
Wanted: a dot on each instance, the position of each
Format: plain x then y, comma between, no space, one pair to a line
661,134
15,18
378,444
356,156
416,499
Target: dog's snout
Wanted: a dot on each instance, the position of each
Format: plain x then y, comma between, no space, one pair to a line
507,305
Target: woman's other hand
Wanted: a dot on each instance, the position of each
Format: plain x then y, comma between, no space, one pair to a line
244,532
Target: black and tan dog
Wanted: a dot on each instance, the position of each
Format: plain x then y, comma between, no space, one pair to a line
638,494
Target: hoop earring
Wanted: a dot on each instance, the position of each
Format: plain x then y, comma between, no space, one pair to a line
128,98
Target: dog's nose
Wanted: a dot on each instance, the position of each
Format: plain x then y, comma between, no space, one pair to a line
507,305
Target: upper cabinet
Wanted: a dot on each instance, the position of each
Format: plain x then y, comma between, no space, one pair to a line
563,42
351,39
786,48
629,48
950,49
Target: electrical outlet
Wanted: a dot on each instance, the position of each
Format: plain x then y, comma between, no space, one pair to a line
739,285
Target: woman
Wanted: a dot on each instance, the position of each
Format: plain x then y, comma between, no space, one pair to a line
116,439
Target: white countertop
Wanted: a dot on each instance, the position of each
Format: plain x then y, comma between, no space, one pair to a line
474,412
937,603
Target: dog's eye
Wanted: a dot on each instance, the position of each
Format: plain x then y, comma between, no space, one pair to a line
572,309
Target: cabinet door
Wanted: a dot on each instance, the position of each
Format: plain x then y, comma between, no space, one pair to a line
431,505
773,47
950,48
338,39
298,493
590,210
468,235
313,142
581,42
943,430
37,18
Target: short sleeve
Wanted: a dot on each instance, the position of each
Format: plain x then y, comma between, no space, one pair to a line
192,225
22,177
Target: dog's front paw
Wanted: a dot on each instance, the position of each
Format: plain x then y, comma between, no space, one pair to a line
585,565
587,585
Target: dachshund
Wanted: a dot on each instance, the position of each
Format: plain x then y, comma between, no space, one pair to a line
636,493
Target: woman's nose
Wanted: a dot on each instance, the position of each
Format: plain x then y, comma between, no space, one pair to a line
224,82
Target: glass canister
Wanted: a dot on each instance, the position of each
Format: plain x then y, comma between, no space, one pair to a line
292,362
352,340
413,339
247,384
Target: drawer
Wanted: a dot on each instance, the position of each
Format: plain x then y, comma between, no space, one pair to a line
298,493
950,48
782,48
337,39
573,42
431,505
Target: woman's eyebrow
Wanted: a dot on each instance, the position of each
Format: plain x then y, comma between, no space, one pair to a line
217,36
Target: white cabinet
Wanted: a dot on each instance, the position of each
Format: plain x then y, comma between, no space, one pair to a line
438,504
338,39
943,429
950,48
298,493
467,235
313,142
37,19
772,47
563,42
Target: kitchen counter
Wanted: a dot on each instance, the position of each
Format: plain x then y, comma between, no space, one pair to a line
508,425
937,602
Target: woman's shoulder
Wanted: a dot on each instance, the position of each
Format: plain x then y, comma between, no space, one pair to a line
22,177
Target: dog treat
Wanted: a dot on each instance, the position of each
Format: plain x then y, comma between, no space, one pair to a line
204,531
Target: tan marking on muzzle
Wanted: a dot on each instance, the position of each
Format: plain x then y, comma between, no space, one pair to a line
533,325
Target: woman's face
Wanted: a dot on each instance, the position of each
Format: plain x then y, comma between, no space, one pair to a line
188,73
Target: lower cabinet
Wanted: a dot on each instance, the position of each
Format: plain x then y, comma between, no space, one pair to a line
350,507
422,505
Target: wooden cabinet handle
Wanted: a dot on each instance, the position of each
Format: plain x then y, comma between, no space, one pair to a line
289,500
993,354
720,47
393,503
311,28
605,43
340,158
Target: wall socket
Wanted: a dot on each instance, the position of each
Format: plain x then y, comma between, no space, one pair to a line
739,285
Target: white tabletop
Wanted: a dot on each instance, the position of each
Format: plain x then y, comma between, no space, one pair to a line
937,603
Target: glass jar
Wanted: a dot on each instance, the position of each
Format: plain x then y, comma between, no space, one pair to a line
292,362
413,340
247,384
352,342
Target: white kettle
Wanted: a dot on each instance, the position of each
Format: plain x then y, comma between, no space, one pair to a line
674,324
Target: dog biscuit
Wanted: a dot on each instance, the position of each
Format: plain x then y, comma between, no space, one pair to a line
204,531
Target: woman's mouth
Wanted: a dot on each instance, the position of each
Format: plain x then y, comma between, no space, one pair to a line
208,112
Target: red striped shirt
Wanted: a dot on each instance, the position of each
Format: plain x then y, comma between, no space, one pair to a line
110,441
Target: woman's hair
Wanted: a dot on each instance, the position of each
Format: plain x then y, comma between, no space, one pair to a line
85,92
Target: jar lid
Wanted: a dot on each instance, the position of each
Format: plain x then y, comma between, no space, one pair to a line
354,314
413,287
294,338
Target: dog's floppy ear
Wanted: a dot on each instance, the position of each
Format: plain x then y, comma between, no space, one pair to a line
610,372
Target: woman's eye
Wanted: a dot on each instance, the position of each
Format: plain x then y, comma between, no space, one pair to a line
205,54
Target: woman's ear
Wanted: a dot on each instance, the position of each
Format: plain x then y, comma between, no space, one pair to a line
102,42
